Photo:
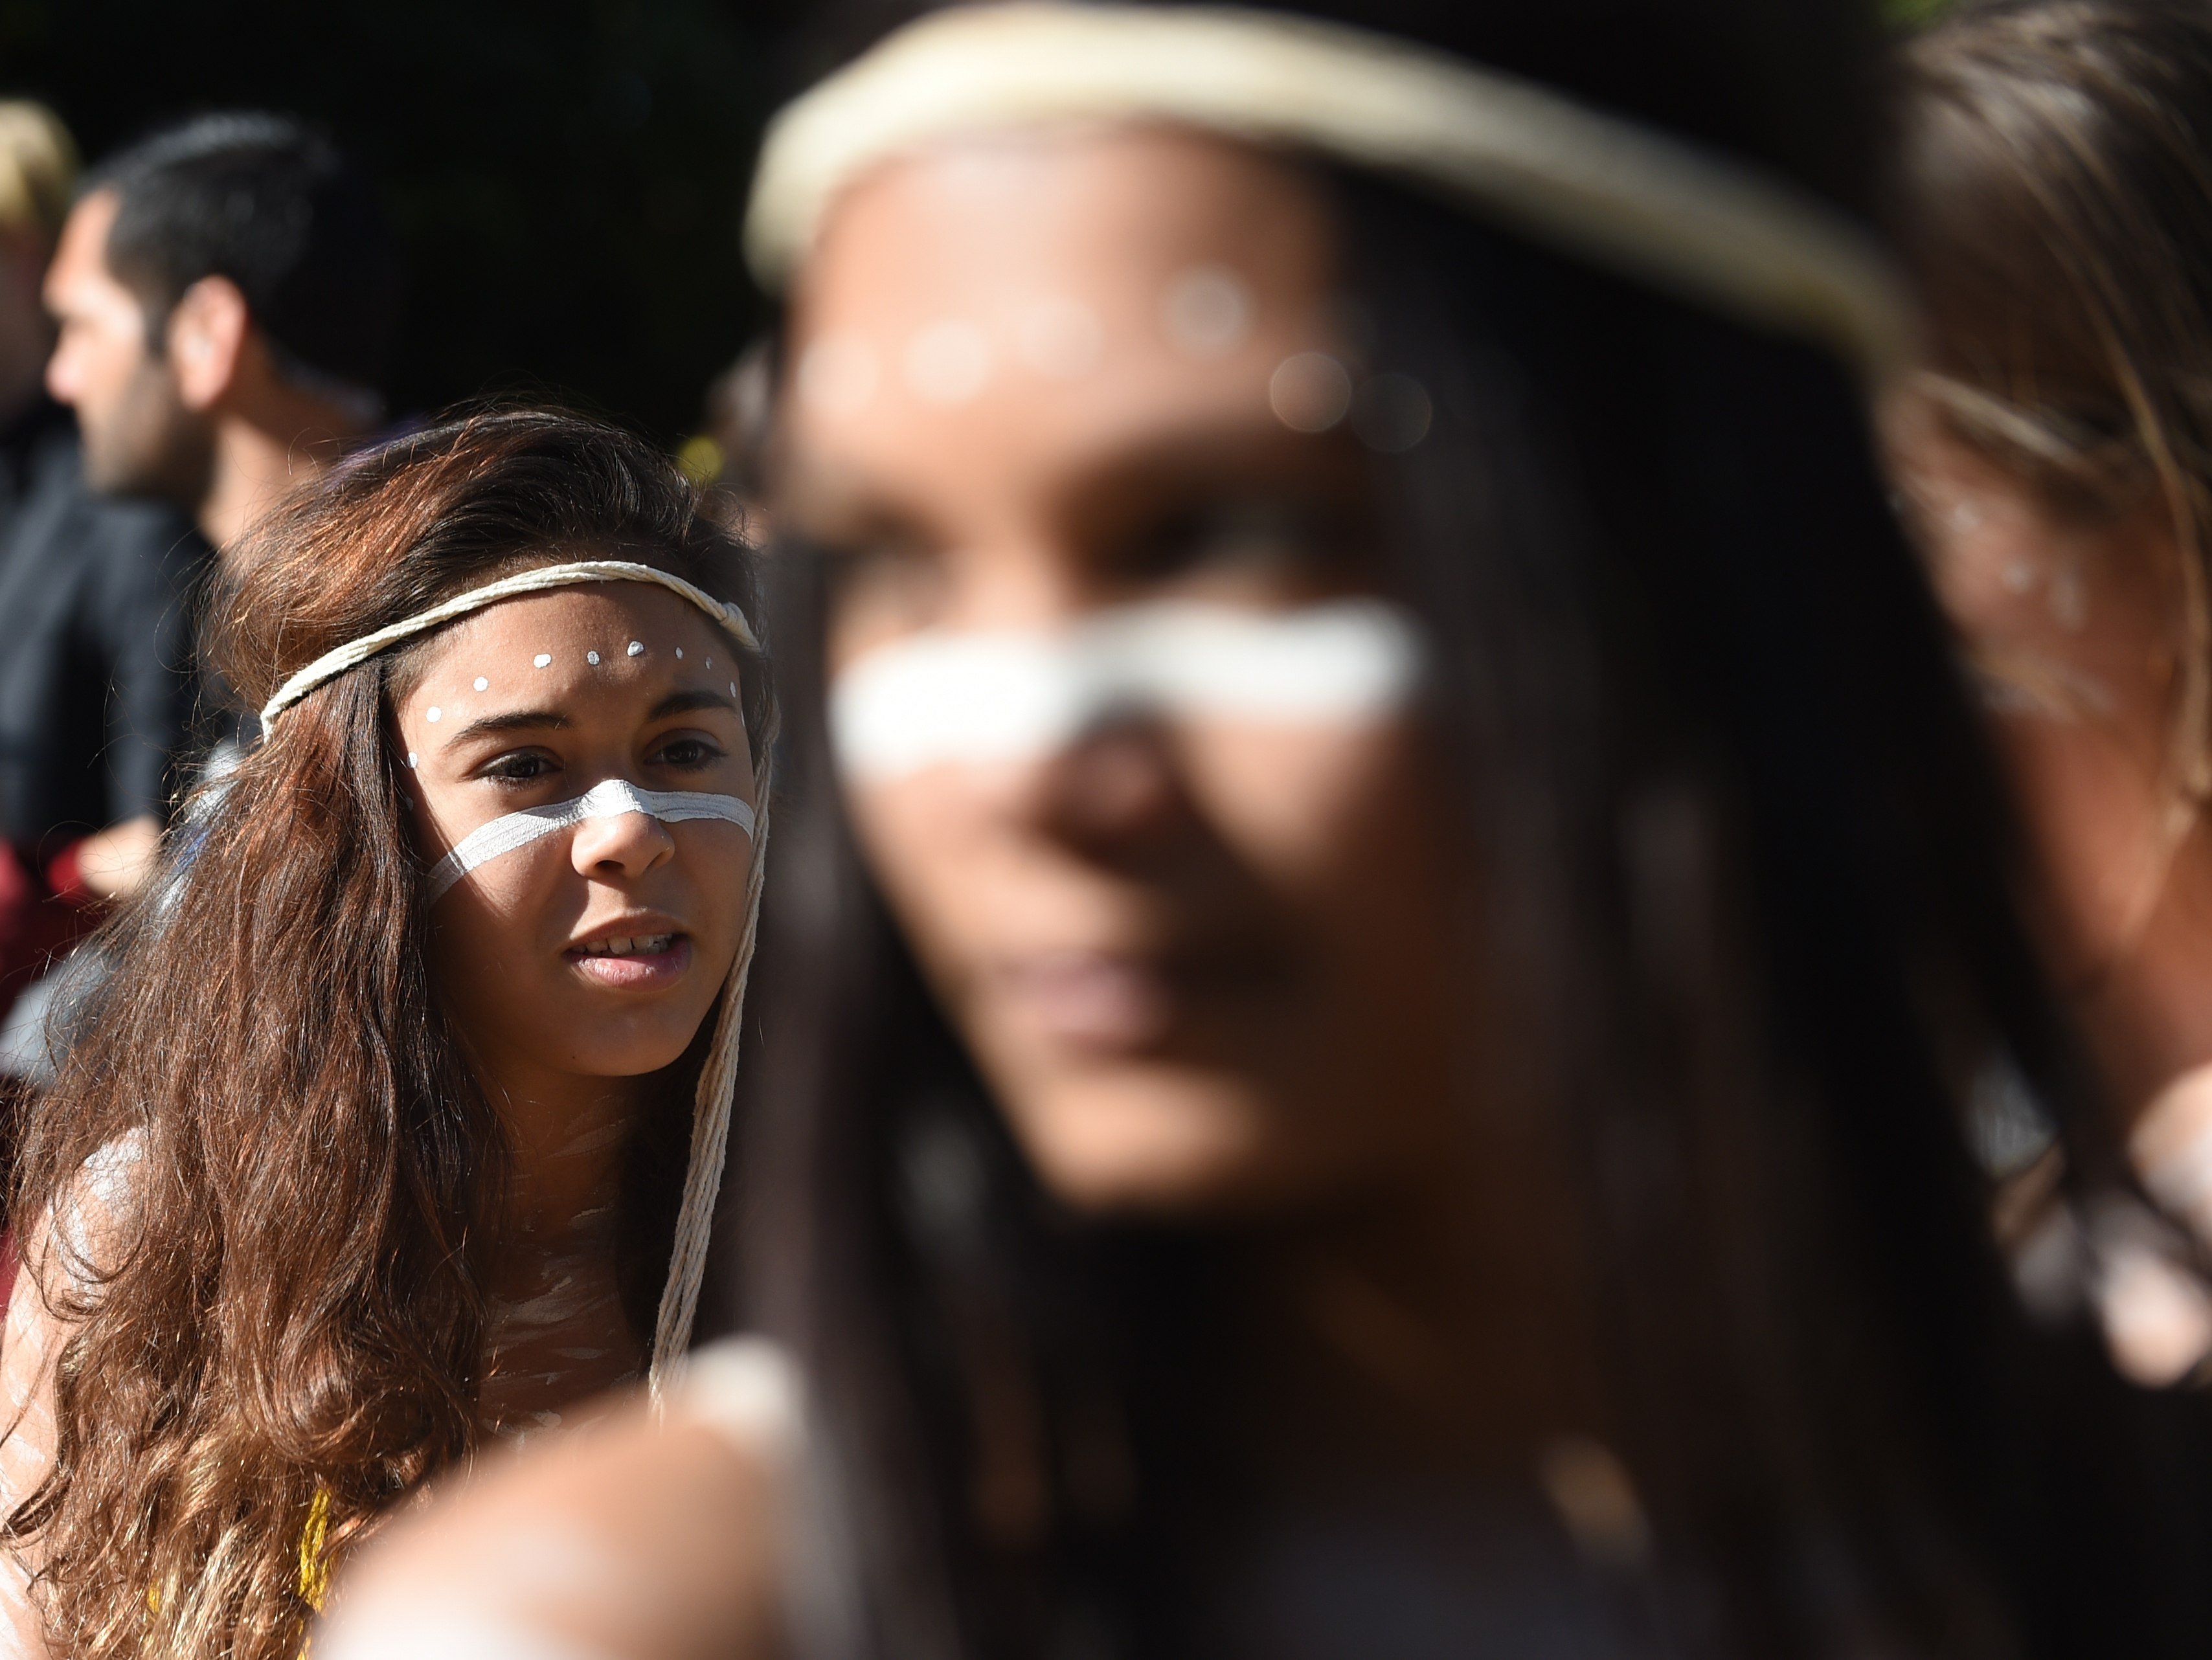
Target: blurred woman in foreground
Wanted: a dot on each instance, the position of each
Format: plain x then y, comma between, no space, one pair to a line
1391,892
2055,199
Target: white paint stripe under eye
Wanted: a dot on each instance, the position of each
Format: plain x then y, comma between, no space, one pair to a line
610,798
949,697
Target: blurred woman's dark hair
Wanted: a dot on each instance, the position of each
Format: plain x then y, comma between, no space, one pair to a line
1742,846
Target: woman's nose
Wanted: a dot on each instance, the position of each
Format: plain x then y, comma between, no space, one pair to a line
628,845
1116,785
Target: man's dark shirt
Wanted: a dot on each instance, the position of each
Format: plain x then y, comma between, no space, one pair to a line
96,682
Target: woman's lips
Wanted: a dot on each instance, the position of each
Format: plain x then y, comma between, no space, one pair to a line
646,964
1091,1000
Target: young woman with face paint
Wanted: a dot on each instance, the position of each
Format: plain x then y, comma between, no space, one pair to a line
2055,196
377,1142
1368,1010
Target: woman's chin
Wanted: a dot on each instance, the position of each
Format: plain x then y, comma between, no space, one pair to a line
625,1036
1149,1149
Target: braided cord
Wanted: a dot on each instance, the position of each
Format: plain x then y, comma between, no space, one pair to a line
546,578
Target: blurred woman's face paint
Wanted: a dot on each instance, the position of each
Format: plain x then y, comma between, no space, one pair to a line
2078,628
1127,726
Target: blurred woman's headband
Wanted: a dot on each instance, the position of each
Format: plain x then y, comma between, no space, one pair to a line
1650,206
545,578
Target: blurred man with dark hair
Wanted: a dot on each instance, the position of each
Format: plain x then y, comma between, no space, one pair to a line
227,292
95,692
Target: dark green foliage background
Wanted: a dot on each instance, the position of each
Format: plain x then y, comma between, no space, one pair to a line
566,175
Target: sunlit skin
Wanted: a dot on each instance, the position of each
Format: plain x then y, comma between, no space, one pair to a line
2078,625
565,1041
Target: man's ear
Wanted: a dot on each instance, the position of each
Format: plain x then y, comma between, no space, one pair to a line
208,332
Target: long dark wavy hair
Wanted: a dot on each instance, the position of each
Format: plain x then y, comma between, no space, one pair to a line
1746,857
283,1297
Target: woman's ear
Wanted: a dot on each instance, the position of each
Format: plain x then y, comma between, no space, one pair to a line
210,332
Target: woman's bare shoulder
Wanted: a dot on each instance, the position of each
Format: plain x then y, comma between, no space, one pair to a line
640,1537
79,1239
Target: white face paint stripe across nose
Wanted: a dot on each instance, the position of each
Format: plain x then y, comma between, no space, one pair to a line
935,698
610,798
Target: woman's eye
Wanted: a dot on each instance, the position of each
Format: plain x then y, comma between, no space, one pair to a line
894,580
1265,542
521,767
688,753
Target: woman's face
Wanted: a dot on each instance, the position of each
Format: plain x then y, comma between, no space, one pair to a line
595,951
2079,627
1203,946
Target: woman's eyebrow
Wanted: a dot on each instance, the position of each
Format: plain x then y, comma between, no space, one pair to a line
833,506
516,720
677,703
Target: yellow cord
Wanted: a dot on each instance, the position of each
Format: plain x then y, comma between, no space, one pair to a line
314,1572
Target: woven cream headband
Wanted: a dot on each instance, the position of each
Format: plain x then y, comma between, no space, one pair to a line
1709,229
544,579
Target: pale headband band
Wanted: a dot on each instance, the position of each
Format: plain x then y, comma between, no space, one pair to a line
332,663
1621,195
610,798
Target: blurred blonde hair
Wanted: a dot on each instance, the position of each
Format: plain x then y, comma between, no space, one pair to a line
37,168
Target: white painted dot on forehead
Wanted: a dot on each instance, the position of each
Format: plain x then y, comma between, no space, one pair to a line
436,712
1206,311
837,374
481,684
679,654
637,648
591,657
1309,392
1060,339
948,363
543,660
